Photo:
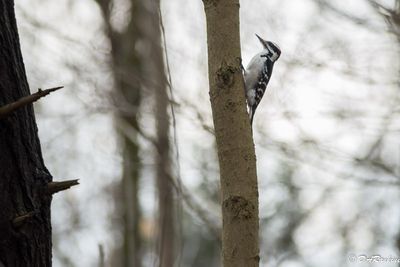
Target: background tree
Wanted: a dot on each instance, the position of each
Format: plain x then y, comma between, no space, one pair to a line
136,71
166,225
127,68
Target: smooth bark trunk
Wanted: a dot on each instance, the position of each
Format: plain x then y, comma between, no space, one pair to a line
236,154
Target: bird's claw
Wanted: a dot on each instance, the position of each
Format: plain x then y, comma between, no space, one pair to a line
240,63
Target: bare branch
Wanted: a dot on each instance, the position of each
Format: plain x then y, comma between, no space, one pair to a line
20,220
54,187
327,5
23,101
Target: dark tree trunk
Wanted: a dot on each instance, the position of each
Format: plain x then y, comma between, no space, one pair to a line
25,228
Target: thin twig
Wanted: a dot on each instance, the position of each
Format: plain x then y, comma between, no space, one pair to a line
179,180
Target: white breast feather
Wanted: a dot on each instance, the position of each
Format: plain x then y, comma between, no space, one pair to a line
253,70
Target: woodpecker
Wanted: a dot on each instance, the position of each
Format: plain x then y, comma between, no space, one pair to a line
258,73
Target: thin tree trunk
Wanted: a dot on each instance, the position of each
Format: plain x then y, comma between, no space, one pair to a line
166,225
131,255
236,154
25,227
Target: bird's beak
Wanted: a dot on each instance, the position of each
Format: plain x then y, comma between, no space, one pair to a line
262,41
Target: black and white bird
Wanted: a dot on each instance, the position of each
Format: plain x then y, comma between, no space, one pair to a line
258,74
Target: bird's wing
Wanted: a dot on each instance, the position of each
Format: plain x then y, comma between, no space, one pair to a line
263,81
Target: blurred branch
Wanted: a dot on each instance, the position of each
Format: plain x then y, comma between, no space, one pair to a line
391,16
200,116
129,129
289,153
179,187
204,214
325,5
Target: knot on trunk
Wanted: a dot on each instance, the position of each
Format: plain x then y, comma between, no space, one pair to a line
239,208
225,76
209,3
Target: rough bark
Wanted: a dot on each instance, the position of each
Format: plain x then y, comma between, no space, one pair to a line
236,154
166,225
25,228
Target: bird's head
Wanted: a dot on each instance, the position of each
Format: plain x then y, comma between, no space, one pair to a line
273,52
